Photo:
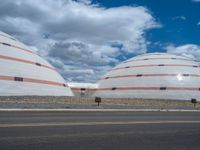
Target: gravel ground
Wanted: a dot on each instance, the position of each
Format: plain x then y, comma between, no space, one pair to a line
73,103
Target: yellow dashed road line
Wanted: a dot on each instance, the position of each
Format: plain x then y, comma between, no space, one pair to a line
93,123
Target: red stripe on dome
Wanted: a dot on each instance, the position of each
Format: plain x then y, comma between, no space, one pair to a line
6,36
85,89
155,65
139,88
23,49
150,75
31,80
174,58
149,88
8,78
42,81
24,61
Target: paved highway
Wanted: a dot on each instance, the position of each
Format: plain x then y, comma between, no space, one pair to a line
99,130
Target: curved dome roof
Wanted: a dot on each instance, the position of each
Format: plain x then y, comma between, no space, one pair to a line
24,72
153,76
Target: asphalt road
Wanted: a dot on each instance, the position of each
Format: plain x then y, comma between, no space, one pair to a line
99,130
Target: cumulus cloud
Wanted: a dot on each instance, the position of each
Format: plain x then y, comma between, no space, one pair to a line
83,53
188,50
78,36
196,0
179,18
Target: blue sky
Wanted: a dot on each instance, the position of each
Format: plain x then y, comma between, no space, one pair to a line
179,20
84,39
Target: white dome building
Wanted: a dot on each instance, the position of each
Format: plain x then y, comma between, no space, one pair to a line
24,72
152,76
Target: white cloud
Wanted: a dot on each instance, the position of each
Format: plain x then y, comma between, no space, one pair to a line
78,34
85,1
75,52
188,50
196,0
179,18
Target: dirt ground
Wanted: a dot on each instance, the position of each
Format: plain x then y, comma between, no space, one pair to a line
91,101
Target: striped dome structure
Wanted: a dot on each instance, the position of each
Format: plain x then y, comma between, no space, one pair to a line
153,76
24,72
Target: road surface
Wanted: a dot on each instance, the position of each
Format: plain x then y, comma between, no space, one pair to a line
99,130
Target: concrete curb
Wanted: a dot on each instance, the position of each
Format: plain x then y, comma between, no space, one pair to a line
97,110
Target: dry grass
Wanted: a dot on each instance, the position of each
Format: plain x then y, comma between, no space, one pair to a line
89,101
